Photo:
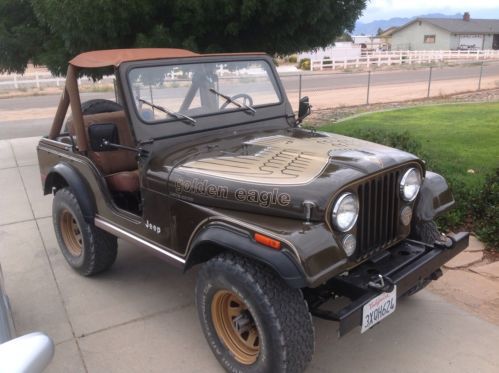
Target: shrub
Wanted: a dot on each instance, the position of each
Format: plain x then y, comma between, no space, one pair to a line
293,59
304,64
485,210
402,140
460,217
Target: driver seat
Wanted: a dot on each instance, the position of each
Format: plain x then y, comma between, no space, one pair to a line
118,166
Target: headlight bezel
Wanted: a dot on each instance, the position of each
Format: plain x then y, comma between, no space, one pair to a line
335,211
403,184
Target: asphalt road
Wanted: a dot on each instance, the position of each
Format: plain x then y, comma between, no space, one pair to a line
11,129
316,81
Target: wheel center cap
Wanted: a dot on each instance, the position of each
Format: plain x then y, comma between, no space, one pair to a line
242,322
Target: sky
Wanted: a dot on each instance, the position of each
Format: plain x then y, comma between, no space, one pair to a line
386,9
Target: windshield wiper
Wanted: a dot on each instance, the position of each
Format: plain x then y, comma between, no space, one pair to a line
234,102
191,121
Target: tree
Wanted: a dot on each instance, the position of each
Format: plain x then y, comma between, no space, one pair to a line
379,32
50,32
344,37
21,36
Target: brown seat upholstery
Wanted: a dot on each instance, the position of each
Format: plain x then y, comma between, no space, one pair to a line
118,166
124,181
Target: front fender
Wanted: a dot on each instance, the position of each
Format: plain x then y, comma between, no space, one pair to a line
217,237
435,198
63,174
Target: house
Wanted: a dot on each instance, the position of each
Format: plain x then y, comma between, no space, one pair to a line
368,42
338,51
386,37
447,33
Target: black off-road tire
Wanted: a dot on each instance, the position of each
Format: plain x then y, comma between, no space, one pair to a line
95,106
279,313
99,105
86,248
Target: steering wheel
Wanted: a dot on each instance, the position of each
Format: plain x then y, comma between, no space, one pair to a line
247,100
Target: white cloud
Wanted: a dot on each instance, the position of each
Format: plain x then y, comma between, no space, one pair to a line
384,9
422,4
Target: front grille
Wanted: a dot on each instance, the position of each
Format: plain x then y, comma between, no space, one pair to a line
378,215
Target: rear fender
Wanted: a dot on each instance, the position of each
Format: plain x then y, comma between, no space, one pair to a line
62,175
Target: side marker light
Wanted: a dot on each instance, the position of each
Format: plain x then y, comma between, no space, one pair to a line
267,241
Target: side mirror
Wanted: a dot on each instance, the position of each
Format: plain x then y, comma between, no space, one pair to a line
101,135
303,109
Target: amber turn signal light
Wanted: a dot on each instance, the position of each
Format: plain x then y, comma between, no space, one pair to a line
267,241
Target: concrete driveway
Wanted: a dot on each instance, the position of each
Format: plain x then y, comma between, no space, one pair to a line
141,317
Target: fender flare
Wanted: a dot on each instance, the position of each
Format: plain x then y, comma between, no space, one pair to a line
213,238
435,197
72,178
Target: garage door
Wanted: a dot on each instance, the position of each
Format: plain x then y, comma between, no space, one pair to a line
470,41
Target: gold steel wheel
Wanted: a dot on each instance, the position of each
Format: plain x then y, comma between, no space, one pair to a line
71,233
235,326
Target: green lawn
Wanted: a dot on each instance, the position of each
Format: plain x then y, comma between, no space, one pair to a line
456,137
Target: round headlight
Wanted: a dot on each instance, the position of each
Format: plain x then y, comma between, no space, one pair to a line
410,184
406,215
345,212
349,243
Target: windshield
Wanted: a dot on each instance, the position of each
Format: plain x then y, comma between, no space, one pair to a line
174,92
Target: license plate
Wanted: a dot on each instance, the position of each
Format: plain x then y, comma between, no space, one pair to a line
378,309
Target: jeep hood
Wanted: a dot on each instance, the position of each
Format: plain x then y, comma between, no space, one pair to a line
277,174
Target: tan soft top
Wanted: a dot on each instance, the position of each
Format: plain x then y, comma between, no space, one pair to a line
114,57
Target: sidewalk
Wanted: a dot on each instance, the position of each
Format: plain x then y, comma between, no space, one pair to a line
140,316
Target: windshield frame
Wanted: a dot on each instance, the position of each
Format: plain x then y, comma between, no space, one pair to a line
230,119
206,59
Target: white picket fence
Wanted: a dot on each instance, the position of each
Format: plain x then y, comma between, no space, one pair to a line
402,57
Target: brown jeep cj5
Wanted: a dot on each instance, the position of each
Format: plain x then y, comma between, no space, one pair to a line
201,160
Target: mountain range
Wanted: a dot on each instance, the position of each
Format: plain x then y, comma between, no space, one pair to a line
371,28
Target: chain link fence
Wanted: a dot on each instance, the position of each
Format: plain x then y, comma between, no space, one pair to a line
327,90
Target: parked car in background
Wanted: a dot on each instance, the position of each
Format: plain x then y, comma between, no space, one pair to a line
30,353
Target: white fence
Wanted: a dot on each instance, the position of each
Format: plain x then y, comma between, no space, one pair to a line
40,79
336,51
402,57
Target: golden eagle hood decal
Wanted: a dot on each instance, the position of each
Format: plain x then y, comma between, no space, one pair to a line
281,160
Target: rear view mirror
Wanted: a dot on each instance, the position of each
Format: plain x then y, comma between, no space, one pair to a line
303,109
101,135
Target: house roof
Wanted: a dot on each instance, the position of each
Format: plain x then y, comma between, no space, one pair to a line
388,32
114,57
459,26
